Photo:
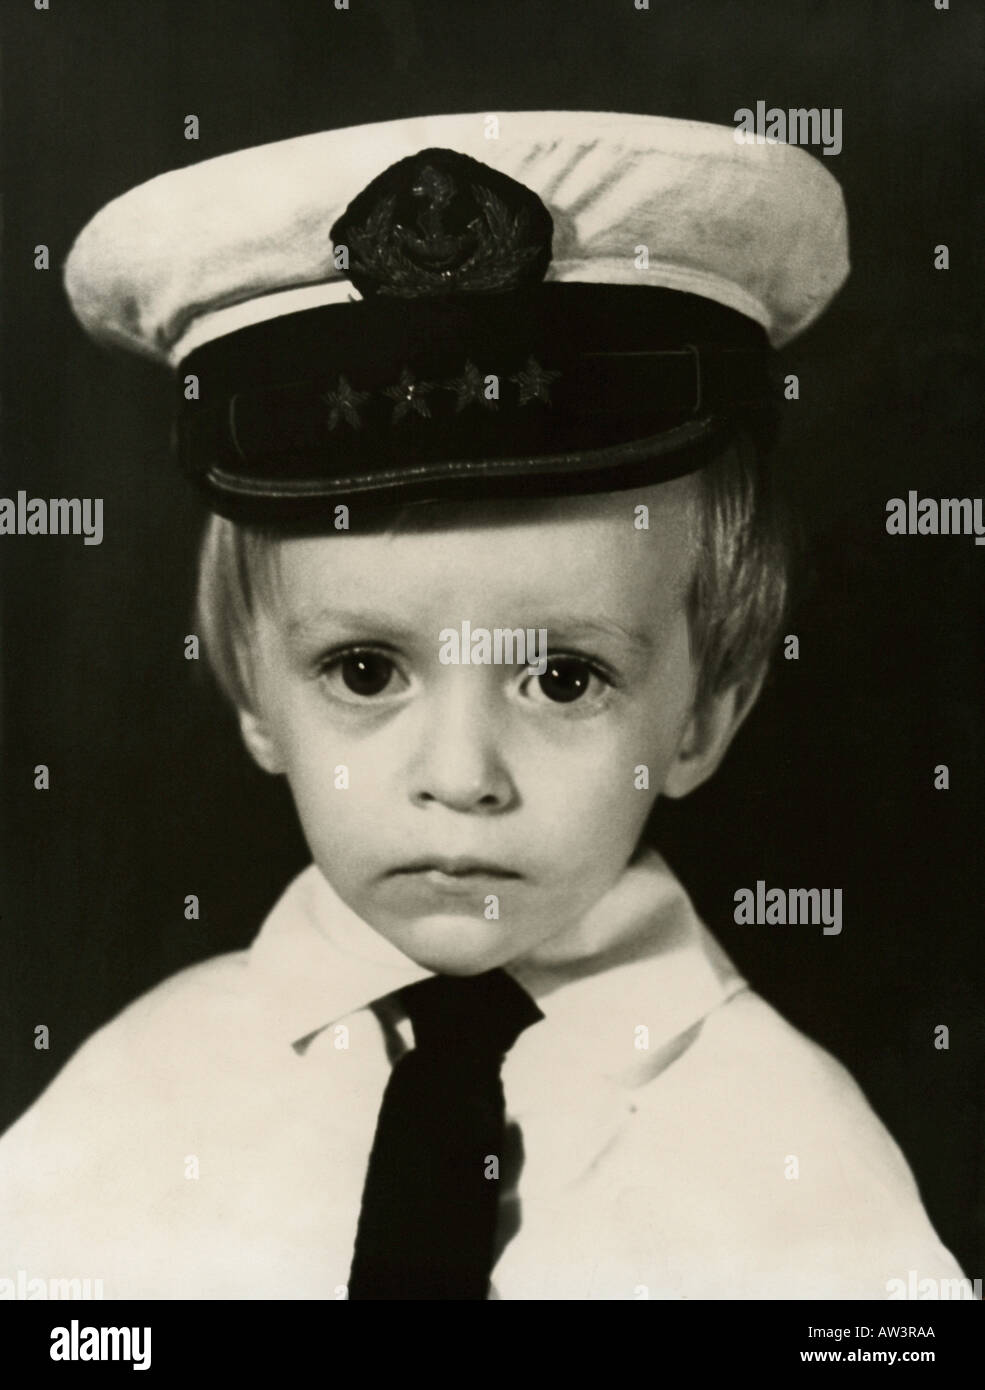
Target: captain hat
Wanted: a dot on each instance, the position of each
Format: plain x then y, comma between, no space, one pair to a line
464,305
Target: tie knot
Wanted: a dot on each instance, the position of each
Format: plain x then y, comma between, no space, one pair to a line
470,1013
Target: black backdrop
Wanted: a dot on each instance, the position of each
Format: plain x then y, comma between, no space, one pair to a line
830,783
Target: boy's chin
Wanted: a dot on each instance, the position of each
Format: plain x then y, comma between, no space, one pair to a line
453,944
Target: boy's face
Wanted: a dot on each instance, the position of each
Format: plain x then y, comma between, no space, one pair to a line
479,789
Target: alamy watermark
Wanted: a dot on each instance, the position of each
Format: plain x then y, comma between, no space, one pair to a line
501,646
25,1286
85,1343
799,125
764,906
932,516
52,516
932,1290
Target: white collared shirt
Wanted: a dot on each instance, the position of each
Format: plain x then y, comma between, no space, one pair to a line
670,1136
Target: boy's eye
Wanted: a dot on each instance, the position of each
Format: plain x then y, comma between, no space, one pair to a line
567,679
363,673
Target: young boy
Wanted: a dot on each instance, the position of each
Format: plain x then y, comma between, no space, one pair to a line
493,565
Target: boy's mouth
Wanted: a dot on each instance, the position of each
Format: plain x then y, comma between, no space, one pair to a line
442,871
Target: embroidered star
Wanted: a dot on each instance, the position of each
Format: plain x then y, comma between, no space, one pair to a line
533,381
344,403
409,396
469,388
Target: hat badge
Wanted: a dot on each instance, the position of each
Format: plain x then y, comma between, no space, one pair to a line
440,222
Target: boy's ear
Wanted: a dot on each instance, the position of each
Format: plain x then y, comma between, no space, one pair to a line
707,735
259,741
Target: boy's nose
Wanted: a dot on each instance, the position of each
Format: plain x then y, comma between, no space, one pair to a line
458,761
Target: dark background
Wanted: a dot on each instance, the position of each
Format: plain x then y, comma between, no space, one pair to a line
830,783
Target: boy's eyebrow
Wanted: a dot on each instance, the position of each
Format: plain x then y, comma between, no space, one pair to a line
573,626
312,619
567,625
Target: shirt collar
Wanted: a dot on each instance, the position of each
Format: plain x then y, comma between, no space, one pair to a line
639,959
317,961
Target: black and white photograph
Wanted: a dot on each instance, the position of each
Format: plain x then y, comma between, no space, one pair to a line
493,678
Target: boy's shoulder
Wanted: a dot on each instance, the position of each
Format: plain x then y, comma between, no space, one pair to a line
93,1176
201,1019
781,1170
785,1086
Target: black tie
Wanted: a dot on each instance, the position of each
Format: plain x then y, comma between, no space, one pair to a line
428,1218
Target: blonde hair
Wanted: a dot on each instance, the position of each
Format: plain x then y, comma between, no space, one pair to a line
735,604
741,584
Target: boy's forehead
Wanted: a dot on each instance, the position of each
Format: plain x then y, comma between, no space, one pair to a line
606,554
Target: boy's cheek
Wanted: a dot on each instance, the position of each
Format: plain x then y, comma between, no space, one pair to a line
619,779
